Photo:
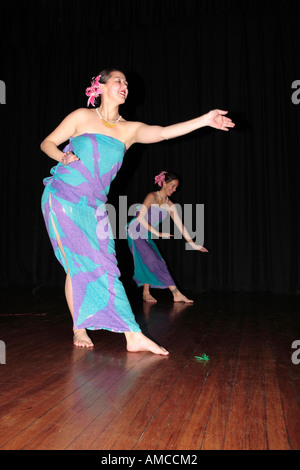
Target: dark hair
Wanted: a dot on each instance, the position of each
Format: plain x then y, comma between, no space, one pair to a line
166,176
105,76
169,176
106,73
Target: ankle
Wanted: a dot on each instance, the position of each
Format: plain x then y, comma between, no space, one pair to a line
130,336
78,330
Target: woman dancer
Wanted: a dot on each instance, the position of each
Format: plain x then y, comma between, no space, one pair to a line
150,269
73,205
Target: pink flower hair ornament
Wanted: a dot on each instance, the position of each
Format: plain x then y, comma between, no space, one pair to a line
159,179
93,91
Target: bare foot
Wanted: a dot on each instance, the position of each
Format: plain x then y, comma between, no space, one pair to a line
137,342
149,298
179,297
81,339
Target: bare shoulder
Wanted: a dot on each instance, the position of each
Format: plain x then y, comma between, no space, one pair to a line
130,130
81,114
70,125
139,132
150,199
131,124
77,117
151,196
82,119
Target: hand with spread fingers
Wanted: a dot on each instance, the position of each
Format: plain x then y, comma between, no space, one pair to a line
217,119
68,157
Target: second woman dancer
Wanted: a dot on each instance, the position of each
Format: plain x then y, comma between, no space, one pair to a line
150,269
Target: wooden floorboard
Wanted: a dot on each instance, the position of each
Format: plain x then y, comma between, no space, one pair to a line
246,397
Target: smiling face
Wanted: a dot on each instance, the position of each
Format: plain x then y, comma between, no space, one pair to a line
116,87
170,187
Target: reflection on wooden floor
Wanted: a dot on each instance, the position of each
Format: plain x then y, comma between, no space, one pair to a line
247,396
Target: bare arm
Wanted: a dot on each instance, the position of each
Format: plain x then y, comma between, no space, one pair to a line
178,222
61,134
146,134
150,199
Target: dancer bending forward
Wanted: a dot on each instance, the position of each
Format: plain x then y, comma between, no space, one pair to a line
150,269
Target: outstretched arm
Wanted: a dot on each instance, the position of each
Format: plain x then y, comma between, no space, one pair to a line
178,222
146,134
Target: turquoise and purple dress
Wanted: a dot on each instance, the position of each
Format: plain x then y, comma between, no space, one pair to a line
74,200
149,265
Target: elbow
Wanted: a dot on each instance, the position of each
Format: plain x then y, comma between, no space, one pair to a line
42,145
164,134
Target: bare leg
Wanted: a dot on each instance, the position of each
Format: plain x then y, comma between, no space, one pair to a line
147,297
137,342
178,296
80,338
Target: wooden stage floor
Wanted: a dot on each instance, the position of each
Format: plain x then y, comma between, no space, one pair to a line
246,396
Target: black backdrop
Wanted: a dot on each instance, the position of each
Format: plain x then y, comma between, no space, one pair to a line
182,58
